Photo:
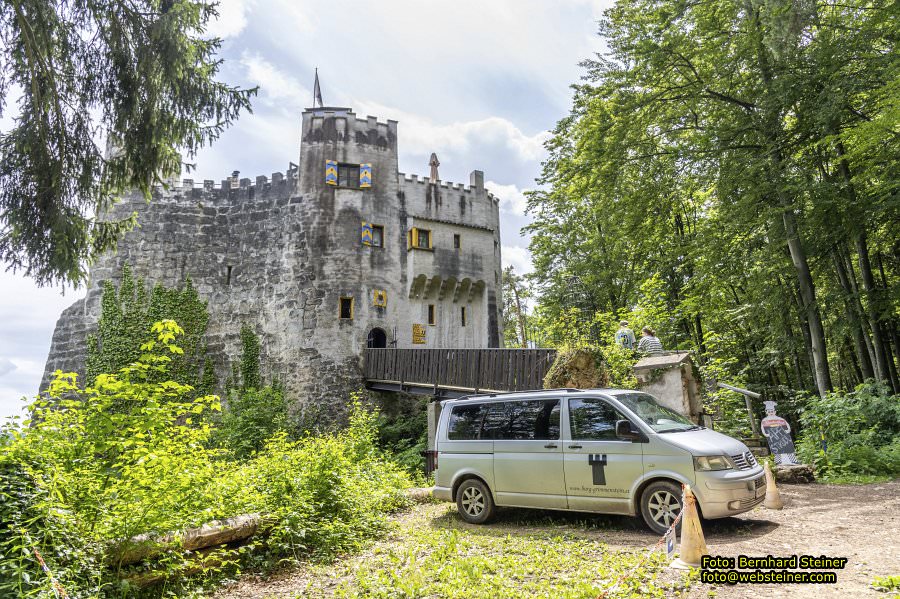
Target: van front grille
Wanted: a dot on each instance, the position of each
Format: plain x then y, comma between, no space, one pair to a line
744,461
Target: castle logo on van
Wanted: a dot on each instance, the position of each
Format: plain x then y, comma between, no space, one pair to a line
598,463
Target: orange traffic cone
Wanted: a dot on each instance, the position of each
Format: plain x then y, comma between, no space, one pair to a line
773,497
693,545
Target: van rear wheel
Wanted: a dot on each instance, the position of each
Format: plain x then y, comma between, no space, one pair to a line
474,501
660,505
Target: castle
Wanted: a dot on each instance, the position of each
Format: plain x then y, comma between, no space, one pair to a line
341,252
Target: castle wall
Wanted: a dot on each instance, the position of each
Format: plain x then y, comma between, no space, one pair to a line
279,254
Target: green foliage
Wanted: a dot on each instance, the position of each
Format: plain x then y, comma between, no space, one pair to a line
140,76
249,368
127,312
436,558
716,180
326,494
403,434
31,519
131,454
251,417
886,584
861,430
516,320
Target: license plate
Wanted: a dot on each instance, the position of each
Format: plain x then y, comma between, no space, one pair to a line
760,492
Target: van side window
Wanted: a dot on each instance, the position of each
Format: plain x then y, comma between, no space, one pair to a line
533,419
465,422
593,420
495,421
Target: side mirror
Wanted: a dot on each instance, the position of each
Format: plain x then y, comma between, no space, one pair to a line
625,430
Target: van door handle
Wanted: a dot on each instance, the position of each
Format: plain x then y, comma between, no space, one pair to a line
574,446
551,446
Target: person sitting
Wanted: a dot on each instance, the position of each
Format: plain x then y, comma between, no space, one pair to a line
649,345
625,336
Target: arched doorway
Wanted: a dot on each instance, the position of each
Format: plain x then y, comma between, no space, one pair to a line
377,338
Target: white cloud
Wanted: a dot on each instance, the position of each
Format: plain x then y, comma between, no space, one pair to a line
6,366
276,88
512,199
518,257
422,135
232,18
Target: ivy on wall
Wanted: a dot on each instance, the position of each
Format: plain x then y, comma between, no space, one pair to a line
127,313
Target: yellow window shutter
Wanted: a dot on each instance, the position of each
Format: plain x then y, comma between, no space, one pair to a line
365,176
331,172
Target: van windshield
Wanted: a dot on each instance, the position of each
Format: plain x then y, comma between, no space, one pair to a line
661,419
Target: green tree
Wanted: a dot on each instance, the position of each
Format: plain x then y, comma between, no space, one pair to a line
138,75
516,294
721,174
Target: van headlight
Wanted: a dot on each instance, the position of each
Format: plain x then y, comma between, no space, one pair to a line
706,463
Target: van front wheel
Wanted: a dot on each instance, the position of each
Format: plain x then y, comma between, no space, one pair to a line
660,505
474,501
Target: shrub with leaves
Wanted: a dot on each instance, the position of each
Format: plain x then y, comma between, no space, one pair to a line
251,417
129,455
861,430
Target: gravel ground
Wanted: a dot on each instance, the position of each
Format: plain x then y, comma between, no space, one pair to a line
860,523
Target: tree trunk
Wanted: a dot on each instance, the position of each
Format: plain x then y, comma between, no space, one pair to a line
865,271
864,322
855,318
772,131
804,329
519,316
810,308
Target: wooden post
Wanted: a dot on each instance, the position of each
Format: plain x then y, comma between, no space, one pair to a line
747,395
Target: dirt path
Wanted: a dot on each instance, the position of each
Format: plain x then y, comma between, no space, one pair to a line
861,523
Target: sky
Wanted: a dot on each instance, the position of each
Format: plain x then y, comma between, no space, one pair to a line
478,83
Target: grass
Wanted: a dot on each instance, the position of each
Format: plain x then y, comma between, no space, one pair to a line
439,557
887,584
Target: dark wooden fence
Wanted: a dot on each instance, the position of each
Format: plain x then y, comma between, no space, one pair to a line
459,370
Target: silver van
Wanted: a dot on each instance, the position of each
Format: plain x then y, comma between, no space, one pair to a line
610,451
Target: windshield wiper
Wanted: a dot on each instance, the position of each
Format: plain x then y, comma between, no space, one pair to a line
680,430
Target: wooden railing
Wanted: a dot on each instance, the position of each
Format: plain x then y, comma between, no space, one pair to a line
460,370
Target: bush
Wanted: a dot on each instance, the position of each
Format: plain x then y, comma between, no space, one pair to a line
327,494
403,434
251,417
861,430
80,477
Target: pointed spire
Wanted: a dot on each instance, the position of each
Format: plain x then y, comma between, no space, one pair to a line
434,164
317,92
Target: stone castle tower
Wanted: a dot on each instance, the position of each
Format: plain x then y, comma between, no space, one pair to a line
340,253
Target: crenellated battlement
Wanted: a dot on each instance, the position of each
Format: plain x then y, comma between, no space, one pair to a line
250,187
405,178
283,252
342,125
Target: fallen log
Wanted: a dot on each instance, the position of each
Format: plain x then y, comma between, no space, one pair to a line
218,532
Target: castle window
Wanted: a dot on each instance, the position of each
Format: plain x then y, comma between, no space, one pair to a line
346,308
378,235
462,315
348,175
432,319
372,234
456,242
379,298
228,276
419,239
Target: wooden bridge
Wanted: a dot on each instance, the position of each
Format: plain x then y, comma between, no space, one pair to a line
456,372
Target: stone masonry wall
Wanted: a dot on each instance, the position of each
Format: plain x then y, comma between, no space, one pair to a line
278,254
